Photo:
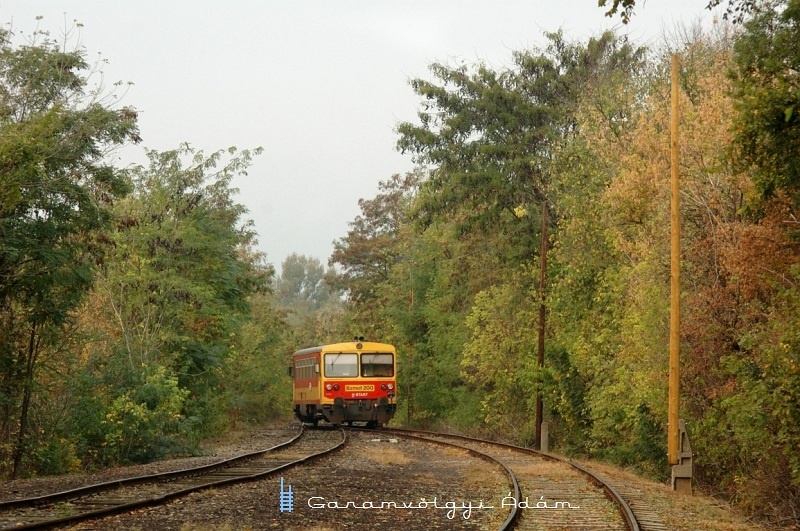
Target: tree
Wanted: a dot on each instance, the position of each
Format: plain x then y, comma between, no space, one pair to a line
500,322
310,300
184,337
611,265
177,280
490,137
55,194
737,10
768,99
255,382
370,248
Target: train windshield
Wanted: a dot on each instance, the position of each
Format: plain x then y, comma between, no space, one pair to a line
341,365
377,365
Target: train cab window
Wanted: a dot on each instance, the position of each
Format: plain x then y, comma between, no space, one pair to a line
377,365
341,365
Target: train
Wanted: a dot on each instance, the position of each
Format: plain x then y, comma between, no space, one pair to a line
346,382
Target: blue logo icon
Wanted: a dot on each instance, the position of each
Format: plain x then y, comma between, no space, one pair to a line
287,498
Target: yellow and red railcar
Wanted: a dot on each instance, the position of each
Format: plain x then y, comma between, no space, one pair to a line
345,382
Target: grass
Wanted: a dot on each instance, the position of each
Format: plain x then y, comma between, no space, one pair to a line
681,512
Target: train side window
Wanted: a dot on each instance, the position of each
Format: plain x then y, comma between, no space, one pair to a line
304,369
341,365
377,365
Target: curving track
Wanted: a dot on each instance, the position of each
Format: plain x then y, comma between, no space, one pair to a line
118,496
553,493
540,491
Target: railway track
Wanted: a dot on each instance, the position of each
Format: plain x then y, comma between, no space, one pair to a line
548,492
127,494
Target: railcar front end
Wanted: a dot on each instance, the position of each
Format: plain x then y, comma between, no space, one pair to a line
346,383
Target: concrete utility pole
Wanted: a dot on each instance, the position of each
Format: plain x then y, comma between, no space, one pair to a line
679,451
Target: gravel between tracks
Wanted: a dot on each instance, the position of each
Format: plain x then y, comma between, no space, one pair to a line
407,471
374,468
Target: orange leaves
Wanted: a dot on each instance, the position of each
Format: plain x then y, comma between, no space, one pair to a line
758,257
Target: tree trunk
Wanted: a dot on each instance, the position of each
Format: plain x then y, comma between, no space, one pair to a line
27,389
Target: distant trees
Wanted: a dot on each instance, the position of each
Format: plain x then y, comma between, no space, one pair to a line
308,299
301,285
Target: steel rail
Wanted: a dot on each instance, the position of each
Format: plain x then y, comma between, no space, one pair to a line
163,498
137,480
514,513
622,506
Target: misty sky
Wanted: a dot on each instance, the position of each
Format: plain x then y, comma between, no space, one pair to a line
320,85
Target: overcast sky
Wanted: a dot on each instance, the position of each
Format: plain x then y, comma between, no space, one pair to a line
320,85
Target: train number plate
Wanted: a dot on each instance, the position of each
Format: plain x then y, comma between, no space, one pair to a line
359,388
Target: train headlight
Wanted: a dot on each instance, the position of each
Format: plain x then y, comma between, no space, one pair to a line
328,387
391,386
384,387
335,387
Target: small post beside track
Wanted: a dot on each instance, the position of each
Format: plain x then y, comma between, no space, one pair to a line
682,472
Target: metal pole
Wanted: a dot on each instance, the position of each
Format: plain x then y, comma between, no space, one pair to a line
675,285
540,350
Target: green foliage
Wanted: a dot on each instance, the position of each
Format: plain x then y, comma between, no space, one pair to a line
500,359
737,10
140,421
158,358
428,299
491,139
53,456
605,294
255,383
768,98
176,281
757,413
54,198
125,297
489,136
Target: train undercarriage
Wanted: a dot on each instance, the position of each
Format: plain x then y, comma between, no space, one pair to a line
375,413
